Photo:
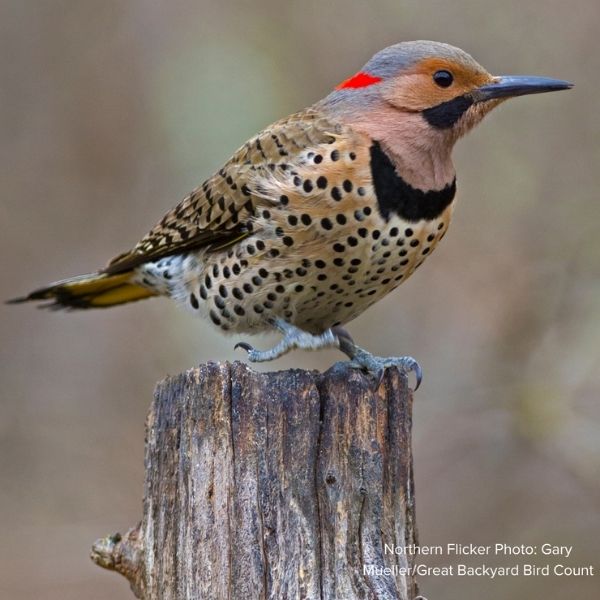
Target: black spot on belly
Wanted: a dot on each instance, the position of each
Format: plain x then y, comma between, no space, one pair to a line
395,196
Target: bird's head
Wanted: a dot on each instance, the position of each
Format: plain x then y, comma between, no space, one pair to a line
429,91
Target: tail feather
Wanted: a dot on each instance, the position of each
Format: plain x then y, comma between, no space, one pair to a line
97,290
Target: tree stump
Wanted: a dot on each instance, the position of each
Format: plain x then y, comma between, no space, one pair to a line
288,485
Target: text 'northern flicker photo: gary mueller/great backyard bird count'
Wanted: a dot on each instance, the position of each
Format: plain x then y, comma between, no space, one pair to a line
321,214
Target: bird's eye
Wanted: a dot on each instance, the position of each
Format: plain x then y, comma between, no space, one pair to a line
443,78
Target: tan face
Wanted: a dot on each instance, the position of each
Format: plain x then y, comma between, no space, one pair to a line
416,89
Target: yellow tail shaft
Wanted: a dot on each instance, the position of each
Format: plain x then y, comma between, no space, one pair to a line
97,290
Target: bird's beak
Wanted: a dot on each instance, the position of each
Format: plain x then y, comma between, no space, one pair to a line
507,86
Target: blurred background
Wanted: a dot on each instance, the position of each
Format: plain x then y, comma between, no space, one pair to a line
111,111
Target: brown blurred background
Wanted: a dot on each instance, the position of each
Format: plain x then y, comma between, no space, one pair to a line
111,111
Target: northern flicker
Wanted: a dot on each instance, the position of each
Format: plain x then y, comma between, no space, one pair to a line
321,214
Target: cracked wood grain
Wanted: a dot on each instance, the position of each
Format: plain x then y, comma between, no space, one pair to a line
283,485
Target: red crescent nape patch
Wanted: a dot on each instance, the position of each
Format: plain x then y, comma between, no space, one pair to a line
361,79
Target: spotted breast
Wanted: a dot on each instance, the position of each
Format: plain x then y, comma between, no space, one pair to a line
319,232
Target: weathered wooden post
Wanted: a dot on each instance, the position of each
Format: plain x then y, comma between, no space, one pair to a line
284,485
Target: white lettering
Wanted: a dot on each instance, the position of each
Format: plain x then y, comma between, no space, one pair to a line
412,549
563,571
467,549
485,571
534,570
424,570
514,550
565,551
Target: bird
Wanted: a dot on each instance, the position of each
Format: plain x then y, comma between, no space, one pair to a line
321,214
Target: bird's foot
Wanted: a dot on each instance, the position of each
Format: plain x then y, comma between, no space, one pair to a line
337,337
376,365
293,337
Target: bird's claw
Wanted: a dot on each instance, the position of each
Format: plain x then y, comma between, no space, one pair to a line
377,374
376,366
253,353
407,364
244,345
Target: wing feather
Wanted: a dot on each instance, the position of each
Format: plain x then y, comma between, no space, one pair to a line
218,213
